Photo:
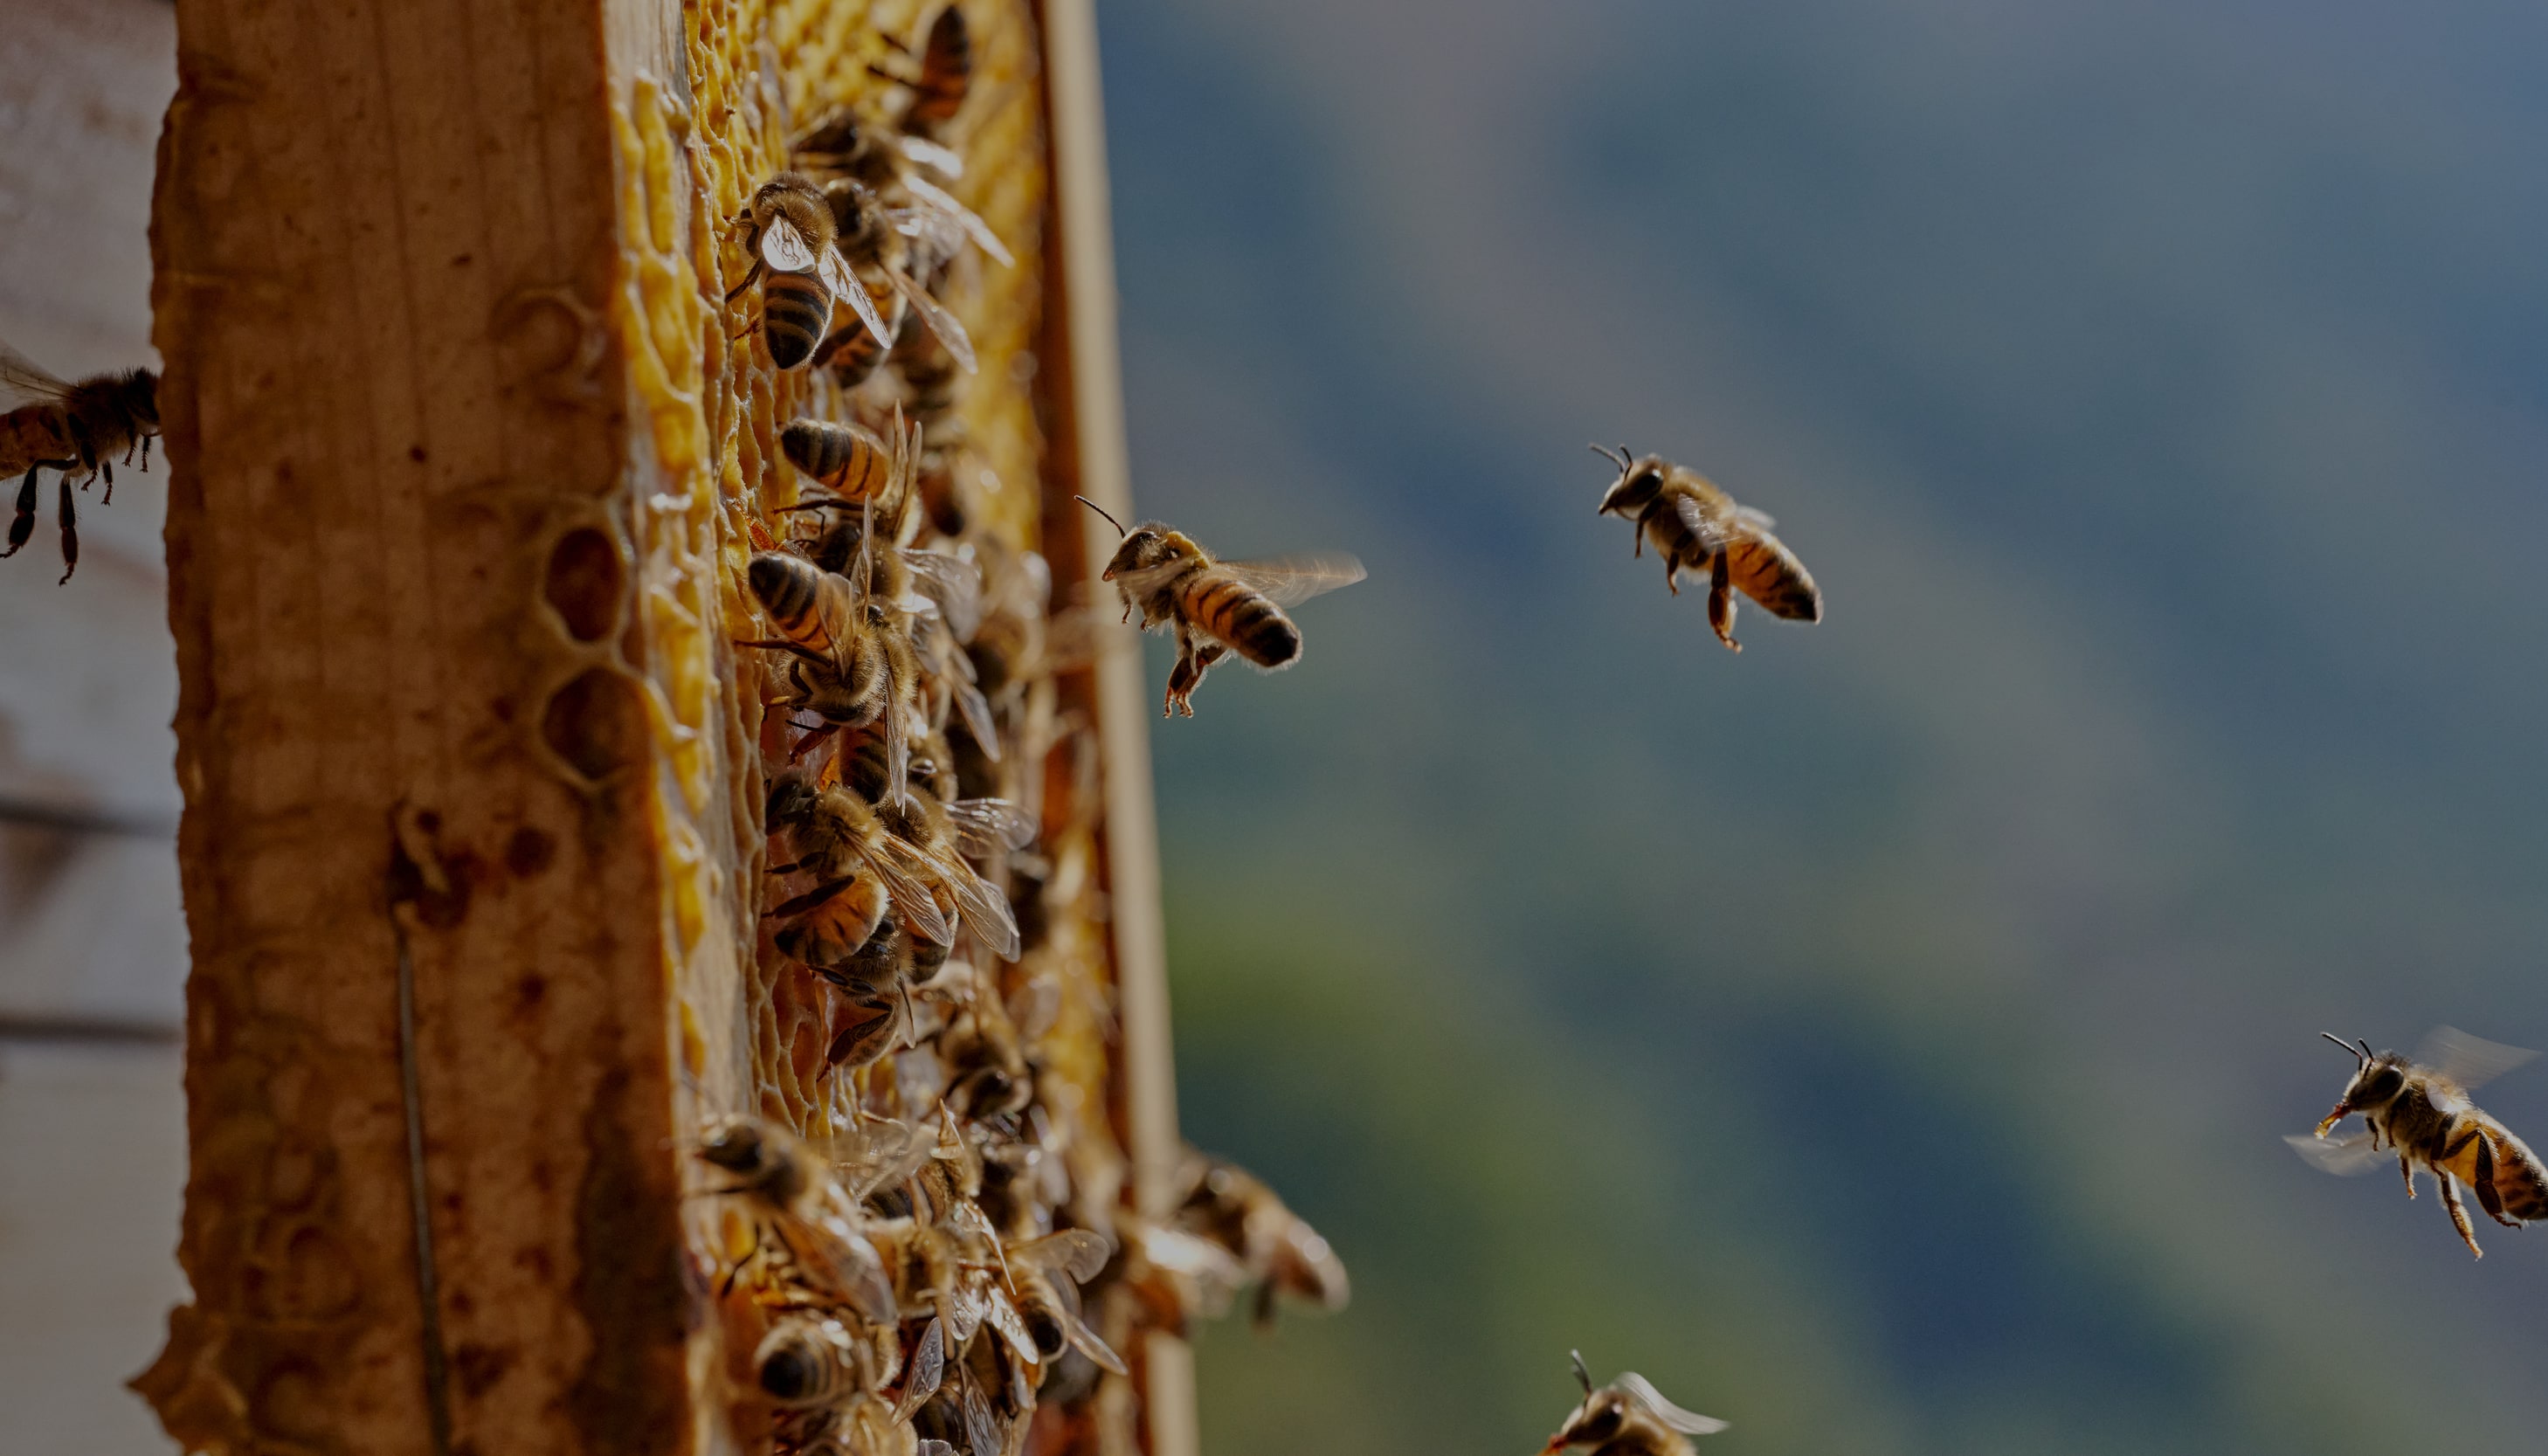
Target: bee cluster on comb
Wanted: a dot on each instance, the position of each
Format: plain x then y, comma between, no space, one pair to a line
910,1172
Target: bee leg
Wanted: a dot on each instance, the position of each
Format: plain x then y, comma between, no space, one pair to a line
145,452
22,525
2459,1214
750,277
70,533
2407,1170
1720,602
1672,573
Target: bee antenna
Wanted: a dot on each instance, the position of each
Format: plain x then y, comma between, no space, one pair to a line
2367,1053
2363,1055
1101,511
1620,460
1582,1375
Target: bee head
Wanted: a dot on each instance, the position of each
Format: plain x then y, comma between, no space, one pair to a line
737,1146
1641,480
2377,1078
139,393
1147,546
1045,1327
1595,1422
790,1368
856,210
791,797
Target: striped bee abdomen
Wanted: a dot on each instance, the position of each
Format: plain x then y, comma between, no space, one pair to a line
850,461
2520,1182
796,313
1254,627
790,589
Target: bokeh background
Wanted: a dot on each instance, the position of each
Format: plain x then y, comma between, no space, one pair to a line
1881,1039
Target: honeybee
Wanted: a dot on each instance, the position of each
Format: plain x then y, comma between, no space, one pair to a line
1697,527
853,462
836,835
793,239
843,670
1628,1418
1277,1248
76,428
900,243
1047,1272
945,74
812,1218
809,1359
1216,607
2420,1110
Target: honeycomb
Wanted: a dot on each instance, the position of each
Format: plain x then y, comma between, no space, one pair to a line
1006,1067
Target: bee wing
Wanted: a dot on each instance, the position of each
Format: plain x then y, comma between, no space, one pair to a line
1012,1326
1078,1252
1291,580
23,377
845,1264
986,826
1708,525
964,217
954,583
879,1154
1180,1253
984,908
784,249
928,1370
1642,1390
2344,1158
912,900
981,1428
855,295
946,161
1099,1353
948,330
932,1446
978,718
1758,519
1770,574
2471,1061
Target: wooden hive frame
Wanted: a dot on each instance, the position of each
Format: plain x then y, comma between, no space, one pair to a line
466,456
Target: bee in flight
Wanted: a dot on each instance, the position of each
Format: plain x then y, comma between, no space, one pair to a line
2419,1108
1628,1418
76,428
791,234
1216,607
1696,527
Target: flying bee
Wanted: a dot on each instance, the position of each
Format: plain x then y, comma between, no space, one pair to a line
1628,1418
2419,1108
1276,1247
813,1219
792,236
76,428
1697,527
1049,1272
1216,607
945,74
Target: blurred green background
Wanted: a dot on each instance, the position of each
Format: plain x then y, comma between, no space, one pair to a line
1881,1039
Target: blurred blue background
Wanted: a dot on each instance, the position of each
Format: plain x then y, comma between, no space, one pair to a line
1881,1039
